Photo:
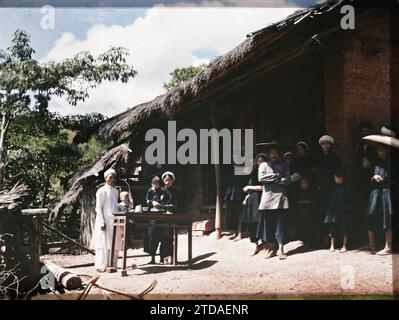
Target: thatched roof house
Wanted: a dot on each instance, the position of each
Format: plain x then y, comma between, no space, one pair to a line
294,80
92,170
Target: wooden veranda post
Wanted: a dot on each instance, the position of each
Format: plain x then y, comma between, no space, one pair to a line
218,178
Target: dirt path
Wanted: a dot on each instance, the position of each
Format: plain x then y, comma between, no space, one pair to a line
225,268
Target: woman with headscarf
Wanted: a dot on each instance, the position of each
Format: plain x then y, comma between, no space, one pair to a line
170,203
251,214
328,163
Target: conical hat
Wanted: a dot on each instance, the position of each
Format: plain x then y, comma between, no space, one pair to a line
387,140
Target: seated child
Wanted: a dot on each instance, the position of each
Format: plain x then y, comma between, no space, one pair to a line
337,212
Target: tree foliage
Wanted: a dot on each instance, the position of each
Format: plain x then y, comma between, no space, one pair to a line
38,147
180,75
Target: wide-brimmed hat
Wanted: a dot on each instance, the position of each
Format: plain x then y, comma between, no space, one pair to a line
382,139
273,144
387,131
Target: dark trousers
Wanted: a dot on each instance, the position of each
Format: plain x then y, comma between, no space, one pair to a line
251,229
159,236
271,226
277,224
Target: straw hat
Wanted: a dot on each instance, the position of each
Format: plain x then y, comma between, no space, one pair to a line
386,140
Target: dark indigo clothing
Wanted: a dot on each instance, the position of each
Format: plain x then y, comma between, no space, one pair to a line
303,165
171,198
304,212
233,198
250,212
158,235
380,208
326,167
337,212
251,215
324,179
154,195
161,237
232,215
339,204
271,226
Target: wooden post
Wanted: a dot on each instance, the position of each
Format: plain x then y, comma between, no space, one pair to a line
174,245
190,244
111,268
124,257
36,249
219,204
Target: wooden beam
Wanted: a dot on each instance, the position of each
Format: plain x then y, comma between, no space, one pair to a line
35,212
66,278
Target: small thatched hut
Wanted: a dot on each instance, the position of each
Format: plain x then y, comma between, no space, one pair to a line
294,80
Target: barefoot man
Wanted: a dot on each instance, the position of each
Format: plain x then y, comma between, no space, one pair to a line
106,205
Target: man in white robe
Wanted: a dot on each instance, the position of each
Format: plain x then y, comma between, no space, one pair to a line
106,205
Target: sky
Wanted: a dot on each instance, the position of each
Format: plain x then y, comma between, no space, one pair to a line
159,39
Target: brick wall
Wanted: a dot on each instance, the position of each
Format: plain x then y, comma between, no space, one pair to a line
357,81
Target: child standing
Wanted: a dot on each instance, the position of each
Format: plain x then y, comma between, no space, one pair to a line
337,212
304,212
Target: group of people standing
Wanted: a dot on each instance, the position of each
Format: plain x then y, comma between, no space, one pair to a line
288,196
161,196
301,196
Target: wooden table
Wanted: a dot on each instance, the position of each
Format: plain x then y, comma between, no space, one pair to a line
174,221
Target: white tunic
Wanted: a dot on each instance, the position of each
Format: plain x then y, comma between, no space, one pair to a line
106,205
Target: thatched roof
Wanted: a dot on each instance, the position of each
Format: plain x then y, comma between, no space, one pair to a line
13,195
219,72
97,166
262,51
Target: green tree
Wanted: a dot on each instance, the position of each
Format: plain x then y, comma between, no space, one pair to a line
181,75
27,86
45,149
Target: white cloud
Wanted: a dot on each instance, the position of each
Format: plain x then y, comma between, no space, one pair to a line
159,42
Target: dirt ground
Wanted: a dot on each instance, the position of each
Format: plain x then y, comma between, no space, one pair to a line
224,269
